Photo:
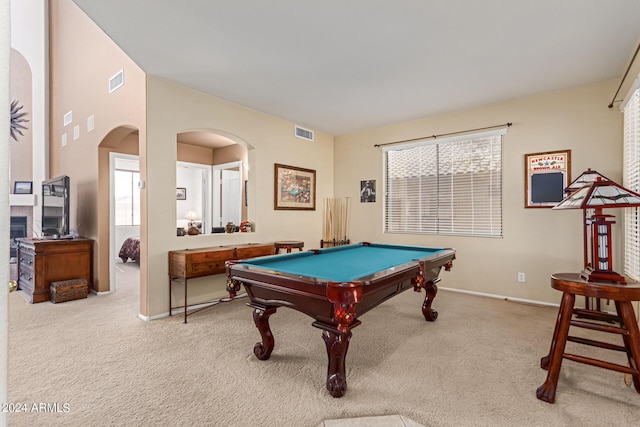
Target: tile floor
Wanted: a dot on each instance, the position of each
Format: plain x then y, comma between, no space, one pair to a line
381,421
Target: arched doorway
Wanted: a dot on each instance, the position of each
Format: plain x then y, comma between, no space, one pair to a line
119,148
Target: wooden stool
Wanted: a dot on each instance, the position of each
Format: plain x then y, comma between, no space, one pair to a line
570,284
288,245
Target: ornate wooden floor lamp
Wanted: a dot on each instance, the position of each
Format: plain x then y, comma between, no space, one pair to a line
593,192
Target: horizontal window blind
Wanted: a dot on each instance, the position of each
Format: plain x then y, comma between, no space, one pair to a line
451,186
127,197
631,180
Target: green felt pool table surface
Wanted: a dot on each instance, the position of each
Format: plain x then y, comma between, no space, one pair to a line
345,263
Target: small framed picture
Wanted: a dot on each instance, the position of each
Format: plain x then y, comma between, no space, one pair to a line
23,187
368,191
181,193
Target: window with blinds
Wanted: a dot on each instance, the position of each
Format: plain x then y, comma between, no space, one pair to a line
631,180
127,197
448,186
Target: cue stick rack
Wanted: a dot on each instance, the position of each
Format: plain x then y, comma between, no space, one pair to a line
336,222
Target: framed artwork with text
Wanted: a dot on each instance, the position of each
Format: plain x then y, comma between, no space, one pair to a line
547,174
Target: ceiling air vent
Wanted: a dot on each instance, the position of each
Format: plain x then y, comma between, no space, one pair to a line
303,133
116,81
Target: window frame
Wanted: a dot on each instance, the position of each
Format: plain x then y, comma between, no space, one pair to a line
475,138
134,211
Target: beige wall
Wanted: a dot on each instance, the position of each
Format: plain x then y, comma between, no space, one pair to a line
537,242
230,153
29,37
172,109
632,70
194,154
21,91
82,60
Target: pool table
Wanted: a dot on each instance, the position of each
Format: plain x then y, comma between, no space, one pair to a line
336,286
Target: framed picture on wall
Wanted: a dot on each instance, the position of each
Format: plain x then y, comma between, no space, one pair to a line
547,174
23,187
181,193
368,191
295,188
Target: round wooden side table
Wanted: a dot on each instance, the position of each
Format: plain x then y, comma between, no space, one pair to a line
288,245
570,284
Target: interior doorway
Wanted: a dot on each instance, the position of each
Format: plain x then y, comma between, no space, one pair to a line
227,193
124,220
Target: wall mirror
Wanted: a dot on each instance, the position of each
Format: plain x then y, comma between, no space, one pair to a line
210,176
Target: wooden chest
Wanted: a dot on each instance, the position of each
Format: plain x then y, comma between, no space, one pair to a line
68,290
41,262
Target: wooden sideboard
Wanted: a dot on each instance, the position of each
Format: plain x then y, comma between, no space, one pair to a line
41,262
187,264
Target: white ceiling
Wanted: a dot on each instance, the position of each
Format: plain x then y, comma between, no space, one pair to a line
340,66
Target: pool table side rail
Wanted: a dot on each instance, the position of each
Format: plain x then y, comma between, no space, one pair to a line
261,265
376,245
268,288
311,298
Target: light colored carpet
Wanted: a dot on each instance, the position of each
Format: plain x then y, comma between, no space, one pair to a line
477,365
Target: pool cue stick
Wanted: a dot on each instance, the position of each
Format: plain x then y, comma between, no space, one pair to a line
341,218
346,228
327,219
324,222
332,219
338,218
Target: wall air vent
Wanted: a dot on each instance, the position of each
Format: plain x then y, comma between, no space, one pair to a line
116,81
303,133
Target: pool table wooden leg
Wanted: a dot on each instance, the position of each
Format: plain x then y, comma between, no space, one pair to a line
431,290
263,349
337,346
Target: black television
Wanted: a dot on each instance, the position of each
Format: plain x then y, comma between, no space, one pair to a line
55,207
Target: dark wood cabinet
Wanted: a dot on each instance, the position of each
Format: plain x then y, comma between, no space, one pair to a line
188,264
41,262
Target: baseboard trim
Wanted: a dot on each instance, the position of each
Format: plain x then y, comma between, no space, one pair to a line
180,310
502,297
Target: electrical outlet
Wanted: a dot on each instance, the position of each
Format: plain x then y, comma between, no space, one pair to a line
521,277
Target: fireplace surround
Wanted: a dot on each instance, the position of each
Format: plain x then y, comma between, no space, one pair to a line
18,229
